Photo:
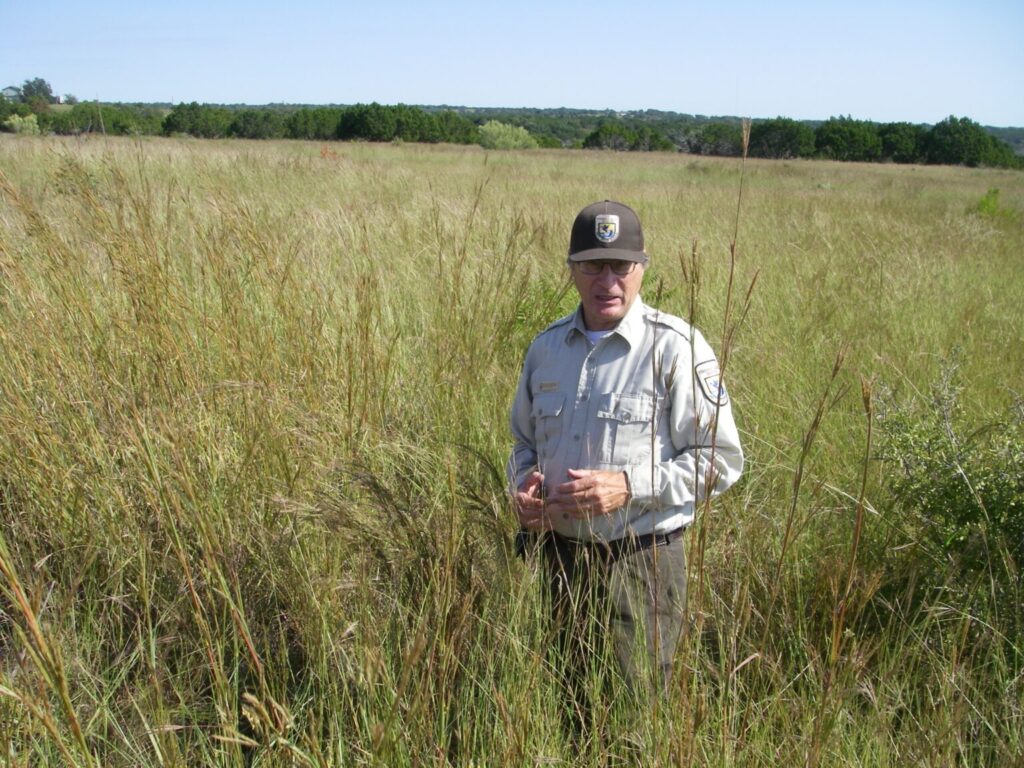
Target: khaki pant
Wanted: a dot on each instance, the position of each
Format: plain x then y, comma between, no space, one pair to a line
626,602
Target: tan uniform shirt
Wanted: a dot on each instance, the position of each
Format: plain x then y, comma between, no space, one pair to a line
647,399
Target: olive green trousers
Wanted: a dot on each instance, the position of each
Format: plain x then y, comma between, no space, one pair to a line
625,602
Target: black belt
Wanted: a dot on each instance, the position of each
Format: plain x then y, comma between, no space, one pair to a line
616,548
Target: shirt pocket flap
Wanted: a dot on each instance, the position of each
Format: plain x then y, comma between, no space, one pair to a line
548,404
628,409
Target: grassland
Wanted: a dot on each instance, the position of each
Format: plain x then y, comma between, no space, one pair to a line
253,405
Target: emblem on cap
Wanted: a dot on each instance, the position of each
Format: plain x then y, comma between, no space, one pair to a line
606,227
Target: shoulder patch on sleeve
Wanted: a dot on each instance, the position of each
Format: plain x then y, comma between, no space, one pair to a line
710,379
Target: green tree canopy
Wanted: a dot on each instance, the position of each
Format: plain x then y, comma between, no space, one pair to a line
257,124
114,119
8,108
202,120
320,123
610,135
781,138
723,139
456,129
960,141
843,138
371,122
616,135
37,89
903,142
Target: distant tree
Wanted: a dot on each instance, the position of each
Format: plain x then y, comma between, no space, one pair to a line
257,124
320,123
616,135
781,138
903,142
651,140
611,135
413,124
723,139
8,108
497,135
960,141
843,138
70,98
371,122
113,119
547,141
1001,155
202,120
37,89
455,129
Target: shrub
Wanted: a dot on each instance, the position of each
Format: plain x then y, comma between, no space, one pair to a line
497,135
25,126
988,206
963,484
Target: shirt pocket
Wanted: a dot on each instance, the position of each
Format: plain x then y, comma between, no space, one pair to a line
547,419
626,422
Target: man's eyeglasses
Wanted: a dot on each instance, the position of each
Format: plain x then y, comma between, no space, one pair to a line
620,267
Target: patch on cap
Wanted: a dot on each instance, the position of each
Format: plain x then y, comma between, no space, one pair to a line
711,385
606,227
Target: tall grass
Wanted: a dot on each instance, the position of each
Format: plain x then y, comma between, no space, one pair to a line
253,402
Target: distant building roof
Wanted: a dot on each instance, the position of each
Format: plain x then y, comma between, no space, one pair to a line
10,92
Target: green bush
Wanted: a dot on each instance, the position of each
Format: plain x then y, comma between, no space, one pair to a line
497,135
962,483
25,126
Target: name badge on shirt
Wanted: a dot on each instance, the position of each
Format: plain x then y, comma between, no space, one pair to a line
549,386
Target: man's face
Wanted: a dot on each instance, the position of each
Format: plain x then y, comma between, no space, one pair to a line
606,296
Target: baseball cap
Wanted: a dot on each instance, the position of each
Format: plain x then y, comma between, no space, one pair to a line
607,230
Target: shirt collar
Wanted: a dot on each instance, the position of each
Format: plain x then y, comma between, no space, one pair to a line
630,327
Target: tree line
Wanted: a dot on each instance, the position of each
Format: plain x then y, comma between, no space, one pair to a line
953,141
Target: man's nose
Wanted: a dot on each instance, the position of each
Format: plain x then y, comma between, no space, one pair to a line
606,276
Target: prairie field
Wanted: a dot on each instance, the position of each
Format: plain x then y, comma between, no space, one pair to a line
253,407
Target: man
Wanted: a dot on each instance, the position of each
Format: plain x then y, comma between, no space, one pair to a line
621,426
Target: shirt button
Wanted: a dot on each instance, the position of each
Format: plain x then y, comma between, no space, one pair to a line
576,438
583,399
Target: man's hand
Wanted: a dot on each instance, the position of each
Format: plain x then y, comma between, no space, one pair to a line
530,503
589,493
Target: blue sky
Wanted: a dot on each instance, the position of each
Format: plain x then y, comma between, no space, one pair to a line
883,61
